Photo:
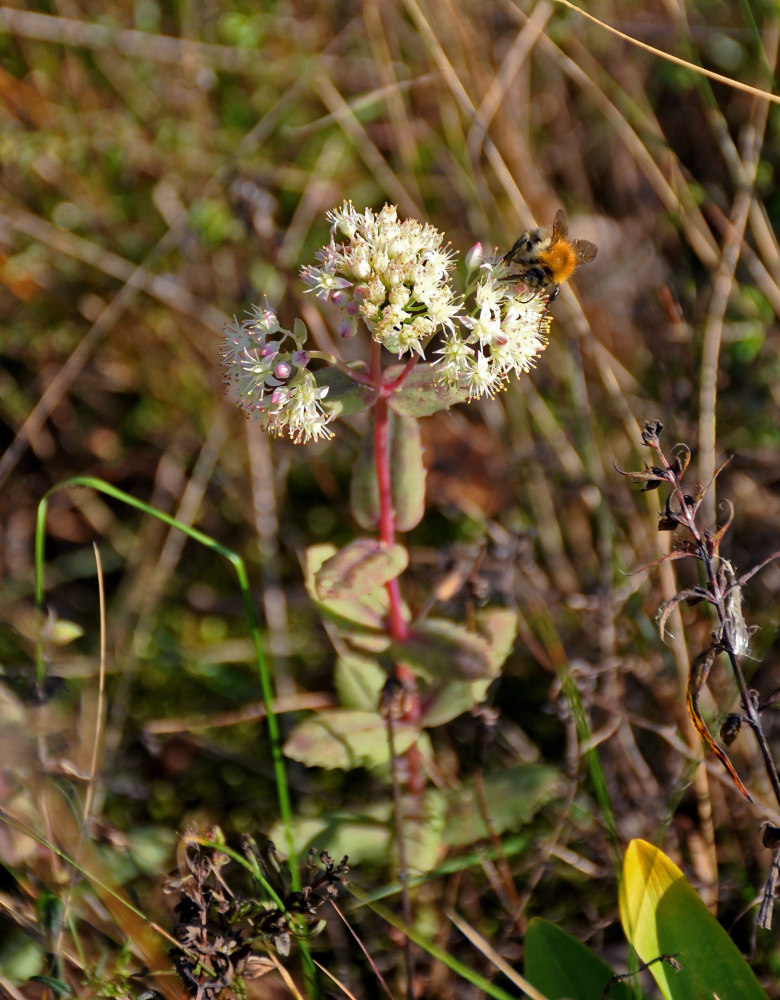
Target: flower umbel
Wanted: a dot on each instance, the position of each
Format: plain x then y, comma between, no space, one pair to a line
394,275
267,377
507,331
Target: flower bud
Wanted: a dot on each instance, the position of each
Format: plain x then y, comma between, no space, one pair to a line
348,327
361,269
473,257
264,320
399,295
300,359
394,274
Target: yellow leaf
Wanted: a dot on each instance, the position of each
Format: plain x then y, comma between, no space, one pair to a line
662,914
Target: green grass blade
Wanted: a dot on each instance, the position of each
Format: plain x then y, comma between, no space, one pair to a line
239,567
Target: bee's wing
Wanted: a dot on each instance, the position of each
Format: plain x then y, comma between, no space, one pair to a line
585,250
560,227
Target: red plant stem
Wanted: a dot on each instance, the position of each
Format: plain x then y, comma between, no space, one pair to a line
390,387
382,462
397,626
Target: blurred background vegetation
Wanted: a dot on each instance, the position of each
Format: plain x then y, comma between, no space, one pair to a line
166,166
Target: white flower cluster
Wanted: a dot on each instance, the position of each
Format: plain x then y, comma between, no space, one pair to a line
391,273
270,383
507,330
394,275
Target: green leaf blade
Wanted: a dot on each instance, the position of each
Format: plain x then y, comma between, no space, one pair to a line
422,393
359,568
343,739
442,650
662,914
345,395
563,968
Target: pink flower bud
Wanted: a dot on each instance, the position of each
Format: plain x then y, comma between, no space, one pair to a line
300,359
473,257
263,321
348,327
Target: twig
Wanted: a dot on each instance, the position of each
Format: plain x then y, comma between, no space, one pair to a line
737,84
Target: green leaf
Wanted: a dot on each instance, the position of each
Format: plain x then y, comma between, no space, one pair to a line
421,393
563,968
345,395
360,568
363,486
448,701
499,627
407,471
662,914
359,681
367,834
21,957
362,620
424,844
57,986
62,632
344,739
514,795
440,649
407,476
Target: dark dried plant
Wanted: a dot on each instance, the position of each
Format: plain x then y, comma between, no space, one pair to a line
227,937
722,590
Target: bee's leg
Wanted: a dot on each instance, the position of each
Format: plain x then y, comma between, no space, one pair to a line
519,279
551,299
548,303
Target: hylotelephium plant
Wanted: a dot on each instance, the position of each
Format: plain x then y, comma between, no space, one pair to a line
428,346
394,276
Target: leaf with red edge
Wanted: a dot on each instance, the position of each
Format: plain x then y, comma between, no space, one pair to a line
344,739
423,392
360,568
442,650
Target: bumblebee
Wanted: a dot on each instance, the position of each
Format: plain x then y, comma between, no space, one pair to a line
547,257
